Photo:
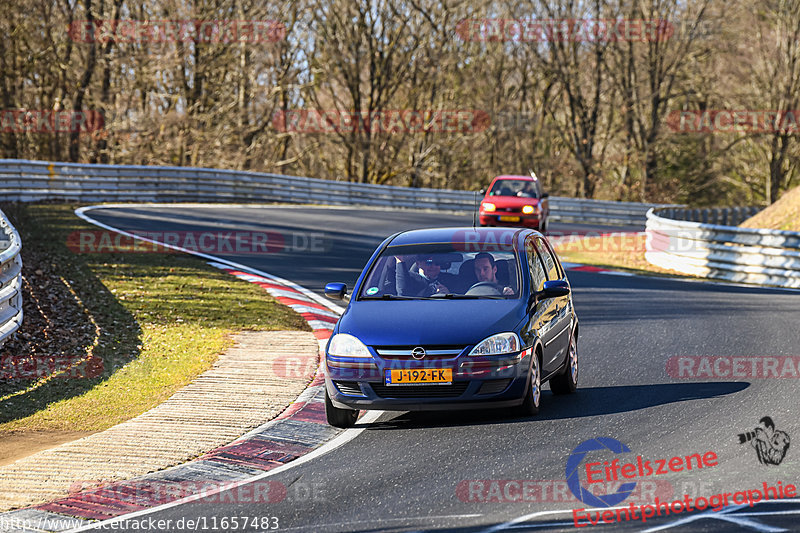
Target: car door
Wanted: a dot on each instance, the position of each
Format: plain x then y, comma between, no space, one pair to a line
542,314
559,312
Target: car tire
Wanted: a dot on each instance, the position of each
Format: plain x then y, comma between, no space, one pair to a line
339,418
533,394
567,382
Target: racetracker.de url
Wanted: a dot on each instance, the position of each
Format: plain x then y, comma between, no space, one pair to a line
200,523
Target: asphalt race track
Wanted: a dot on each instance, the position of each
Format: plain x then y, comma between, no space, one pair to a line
490,471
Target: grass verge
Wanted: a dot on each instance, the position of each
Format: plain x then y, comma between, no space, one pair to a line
783,214
108,336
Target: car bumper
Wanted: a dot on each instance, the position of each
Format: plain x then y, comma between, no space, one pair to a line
472,388
528,221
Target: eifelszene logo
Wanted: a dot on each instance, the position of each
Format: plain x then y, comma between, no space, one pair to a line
573,480
616,471
770,444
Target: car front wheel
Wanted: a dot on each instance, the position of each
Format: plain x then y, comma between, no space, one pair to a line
567,383
530,405
339,418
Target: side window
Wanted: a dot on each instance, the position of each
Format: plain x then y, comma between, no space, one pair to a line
549,262
538,276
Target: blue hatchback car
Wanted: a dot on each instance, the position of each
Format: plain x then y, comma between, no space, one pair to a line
453,318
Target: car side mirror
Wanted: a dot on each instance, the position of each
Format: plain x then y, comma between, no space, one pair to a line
553,289
482,191
336,290
550,289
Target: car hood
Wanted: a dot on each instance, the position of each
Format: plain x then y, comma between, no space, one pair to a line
511,201
428,322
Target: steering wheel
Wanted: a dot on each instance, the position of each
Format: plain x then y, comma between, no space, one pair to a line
484,288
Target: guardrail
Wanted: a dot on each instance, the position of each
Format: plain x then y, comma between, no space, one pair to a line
760,256
23,180
10,279
725,216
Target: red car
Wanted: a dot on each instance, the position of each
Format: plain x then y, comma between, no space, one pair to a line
515,201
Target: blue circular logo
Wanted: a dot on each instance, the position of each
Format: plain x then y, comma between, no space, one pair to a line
574,483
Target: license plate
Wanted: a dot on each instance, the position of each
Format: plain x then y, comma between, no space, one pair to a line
509,219
419,376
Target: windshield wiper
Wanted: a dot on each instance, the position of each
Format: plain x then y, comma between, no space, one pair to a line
472,297
388,297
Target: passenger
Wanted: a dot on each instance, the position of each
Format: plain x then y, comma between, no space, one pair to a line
486,272
427,281
527,191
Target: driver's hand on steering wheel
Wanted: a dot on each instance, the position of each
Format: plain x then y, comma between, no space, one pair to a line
508,291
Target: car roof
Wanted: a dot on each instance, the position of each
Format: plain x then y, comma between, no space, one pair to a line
458,235
512,177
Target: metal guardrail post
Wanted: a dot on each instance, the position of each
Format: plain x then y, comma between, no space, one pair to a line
10,280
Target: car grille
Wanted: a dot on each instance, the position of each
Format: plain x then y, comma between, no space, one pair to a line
431,352
351,388
494,386
420,391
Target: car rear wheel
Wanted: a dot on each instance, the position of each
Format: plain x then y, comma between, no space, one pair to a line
530,405
339,418
567,383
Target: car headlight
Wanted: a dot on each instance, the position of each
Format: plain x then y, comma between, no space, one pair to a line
528,209
344,345
501,343
488,207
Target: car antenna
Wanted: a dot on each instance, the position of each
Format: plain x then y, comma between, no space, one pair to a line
475,212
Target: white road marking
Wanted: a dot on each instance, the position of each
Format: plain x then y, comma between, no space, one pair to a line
740,519
81,212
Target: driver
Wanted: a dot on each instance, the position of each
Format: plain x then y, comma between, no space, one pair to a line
486,272
526,191
427,280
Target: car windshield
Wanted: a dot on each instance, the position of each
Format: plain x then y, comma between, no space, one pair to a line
442,271
519,188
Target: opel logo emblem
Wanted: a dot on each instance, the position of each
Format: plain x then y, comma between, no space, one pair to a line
418,353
